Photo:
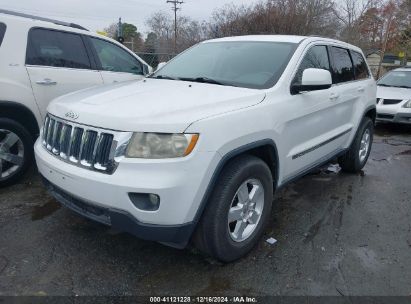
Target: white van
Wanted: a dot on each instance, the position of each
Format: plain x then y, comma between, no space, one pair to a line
41,59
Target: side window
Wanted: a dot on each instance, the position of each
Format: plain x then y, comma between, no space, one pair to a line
2,32
113,58
360,67
317,58
341,65
56,49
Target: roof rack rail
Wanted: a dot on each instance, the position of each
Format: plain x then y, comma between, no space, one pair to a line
73,25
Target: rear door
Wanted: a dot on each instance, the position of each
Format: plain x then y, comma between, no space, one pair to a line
58,63
114,62
347,91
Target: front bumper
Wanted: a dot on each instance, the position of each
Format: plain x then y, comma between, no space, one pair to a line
180,183
394,113
176,236
402,118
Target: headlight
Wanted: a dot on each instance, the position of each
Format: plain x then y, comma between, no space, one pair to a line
407,104
161,145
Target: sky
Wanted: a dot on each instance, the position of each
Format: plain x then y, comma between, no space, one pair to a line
98,14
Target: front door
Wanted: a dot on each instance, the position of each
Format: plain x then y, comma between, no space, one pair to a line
115,63
315,125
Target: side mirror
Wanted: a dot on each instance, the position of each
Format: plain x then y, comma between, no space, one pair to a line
313,80
160,65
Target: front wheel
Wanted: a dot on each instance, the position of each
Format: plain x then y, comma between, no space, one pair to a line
238,209
16,151
357,155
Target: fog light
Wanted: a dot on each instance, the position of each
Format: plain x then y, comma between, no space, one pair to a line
154,199
144,201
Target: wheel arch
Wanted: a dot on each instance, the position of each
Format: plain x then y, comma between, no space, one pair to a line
371,112
21,114
265,149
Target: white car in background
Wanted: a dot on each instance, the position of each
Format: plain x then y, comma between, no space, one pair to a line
394,97
41,59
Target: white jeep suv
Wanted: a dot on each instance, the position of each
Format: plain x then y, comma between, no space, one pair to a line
41,59
195,151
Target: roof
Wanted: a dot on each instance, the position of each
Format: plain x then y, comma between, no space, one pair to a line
268,38
38,18
283,38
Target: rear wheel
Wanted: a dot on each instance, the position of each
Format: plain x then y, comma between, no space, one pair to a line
357,155
16,151
238,210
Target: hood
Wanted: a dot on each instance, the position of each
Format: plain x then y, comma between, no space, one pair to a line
393,93
153,105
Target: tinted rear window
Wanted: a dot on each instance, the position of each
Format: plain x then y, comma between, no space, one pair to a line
57,49
2,32
341,65
360,67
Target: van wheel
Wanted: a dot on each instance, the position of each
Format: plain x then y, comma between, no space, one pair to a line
16,151
357,155
237,211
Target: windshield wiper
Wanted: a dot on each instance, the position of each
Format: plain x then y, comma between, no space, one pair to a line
403,87
393,86
163,77
202,80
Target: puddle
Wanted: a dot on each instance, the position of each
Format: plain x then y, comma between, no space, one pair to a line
40,212
407,152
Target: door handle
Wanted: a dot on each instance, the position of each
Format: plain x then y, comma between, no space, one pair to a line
334,96
46,82
361,89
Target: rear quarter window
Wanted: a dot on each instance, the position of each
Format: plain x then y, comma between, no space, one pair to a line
342,67
360,66
2,32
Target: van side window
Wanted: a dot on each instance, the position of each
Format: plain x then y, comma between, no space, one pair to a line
2,32
56,49
360,67
316,58
342,67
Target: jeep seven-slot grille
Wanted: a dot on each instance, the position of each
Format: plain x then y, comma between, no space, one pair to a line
77,144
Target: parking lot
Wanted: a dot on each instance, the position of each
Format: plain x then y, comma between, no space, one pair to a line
337,234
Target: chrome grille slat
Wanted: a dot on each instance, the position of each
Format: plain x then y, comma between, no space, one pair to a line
80,145
50,134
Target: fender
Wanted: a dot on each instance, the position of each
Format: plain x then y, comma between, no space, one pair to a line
225,159
22,114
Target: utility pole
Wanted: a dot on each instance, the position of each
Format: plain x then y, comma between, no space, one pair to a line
175,8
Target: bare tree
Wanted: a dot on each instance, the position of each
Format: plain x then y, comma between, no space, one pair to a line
350,13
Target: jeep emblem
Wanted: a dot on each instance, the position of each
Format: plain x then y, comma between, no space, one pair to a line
72,115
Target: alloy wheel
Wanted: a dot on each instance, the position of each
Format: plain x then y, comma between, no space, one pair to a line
11,154
364,145
245,210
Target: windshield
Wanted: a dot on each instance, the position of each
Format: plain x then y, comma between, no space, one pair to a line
396,79
255,65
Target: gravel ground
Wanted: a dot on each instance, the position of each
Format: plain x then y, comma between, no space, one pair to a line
337,234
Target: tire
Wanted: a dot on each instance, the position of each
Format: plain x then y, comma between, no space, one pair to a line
16,151
214,235
351,161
